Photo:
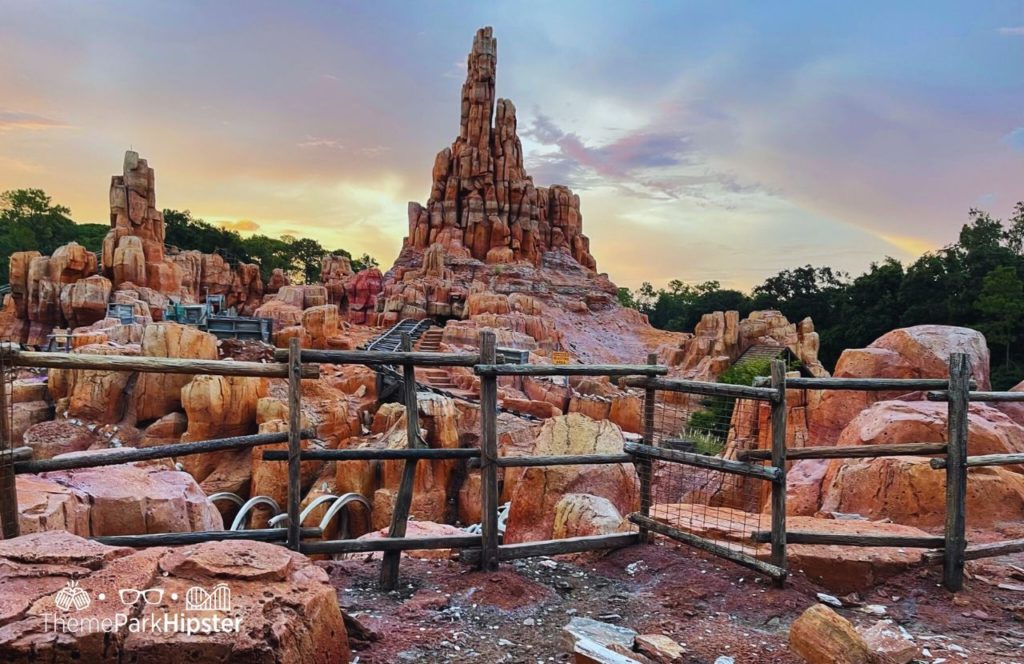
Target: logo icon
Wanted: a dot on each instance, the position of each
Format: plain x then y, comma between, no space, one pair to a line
218,599
72,596
130,596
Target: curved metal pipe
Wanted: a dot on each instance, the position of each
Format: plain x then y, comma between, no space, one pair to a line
339,504
226,495
242,517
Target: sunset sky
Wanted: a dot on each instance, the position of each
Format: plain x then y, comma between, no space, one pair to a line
707,140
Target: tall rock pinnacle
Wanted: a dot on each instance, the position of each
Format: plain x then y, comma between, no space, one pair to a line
482,202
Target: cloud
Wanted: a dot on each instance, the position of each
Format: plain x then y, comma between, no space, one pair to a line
1012,31
11,120
317,142
1015,139
652,161
240,225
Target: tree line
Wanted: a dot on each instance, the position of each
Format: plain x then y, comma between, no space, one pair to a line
29,219
976,282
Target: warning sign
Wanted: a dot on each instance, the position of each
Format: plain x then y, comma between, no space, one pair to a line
560,357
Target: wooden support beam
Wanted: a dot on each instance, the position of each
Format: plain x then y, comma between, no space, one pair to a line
166,365
9,525
778,424
983,460
702,387
994,397
392,544
377,454
848,452
392,358
714,548
570,370
704,461
182,539
403,501
844,539
294,442
978,551
115,456
956,473
644,465
489,456
555,547
22,453
563,460
864,384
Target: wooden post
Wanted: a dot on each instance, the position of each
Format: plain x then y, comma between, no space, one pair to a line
294,441
9,527
489,456
956,473
645,466
403,502
779,461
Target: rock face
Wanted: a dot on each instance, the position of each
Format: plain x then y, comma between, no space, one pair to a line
482,202
155,394
572,499
914,352
361,292
127,499
285,606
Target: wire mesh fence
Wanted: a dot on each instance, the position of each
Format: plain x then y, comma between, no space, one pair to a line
723,507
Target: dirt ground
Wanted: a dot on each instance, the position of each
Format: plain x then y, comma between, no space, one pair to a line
446,611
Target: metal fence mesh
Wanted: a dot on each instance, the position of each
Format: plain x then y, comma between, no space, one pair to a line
723,507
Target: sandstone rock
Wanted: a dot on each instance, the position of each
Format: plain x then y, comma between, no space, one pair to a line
915,352
580,514
155,394
660,648
277,279
48,439
166,430
282,313
98,396
286,606
27,414
361,292
908,491
219,407
888,644
417,529
44,504
85,301
822,636
19,280
539,489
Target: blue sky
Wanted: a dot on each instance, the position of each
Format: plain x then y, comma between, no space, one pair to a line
707,140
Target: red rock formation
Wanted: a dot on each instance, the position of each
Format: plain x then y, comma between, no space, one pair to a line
286,608
482,202
921,351
335,273
361,292
277,279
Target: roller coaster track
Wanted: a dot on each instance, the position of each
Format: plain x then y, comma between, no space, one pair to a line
392,378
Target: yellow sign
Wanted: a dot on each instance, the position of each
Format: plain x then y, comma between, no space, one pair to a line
560,357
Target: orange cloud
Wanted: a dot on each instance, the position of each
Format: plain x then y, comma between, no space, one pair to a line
10,120
240,225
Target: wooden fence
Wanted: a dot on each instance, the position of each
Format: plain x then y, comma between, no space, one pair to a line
486,549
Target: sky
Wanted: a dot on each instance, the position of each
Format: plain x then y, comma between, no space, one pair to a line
707,140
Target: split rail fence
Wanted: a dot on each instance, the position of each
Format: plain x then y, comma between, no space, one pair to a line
486,548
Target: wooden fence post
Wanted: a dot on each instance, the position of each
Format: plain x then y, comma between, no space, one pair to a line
489,456
779,461
403,501
645,466
294,441
9,527
956,473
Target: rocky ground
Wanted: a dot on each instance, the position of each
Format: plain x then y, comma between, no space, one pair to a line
446,612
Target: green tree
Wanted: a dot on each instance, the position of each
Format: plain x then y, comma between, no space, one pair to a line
1001,304
30,220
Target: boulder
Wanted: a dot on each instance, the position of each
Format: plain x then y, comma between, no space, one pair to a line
909,491
539,489
416,529
97,396
49,439
822,636
84,302
282,607
580,514
155,394
362,291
